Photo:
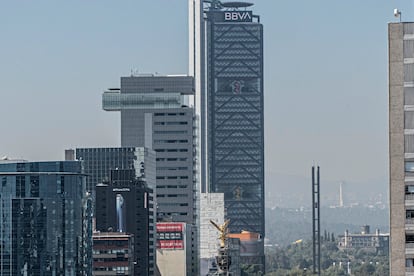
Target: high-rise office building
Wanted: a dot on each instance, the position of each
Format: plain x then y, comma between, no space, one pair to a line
125,204
98,162
401,147
46,223
155,113
230,43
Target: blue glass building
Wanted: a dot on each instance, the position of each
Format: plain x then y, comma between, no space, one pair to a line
46,219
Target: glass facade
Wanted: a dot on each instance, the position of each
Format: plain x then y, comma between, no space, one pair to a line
235,130
126,204
155,115
113,101
99,164
46,219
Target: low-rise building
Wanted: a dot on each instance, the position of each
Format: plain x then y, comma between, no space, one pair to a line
174,248
376,242
113,254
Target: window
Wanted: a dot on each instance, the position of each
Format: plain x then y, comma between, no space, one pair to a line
409,166
409,214
409,238
409,189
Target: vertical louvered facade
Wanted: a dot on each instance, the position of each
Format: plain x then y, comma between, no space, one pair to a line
235,129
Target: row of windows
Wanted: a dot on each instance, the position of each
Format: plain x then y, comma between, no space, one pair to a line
169,114
171,150
169,236
115,268
170,123
174,204
174,195
171,159
173,177
172,168
170,141
171,132
172,214
172,187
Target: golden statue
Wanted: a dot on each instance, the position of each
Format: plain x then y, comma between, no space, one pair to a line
223,229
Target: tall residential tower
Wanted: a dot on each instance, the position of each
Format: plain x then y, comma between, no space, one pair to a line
401,147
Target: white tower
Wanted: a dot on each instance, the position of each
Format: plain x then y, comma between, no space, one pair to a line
196,40
341,199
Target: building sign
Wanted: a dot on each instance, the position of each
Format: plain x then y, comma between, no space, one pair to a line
236,86
120,190
237,16
170,235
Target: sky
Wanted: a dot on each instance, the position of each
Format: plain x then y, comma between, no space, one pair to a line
325,77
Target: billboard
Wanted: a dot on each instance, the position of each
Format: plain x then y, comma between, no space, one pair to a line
170,235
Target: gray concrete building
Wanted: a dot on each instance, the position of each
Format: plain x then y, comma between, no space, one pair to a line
155,113
401,147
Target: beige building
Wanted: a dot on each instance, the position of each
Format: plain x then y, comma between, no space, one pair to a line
401,147
174,249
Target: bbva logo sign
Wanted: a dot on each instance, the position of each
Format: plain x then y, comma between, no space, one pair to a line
238,16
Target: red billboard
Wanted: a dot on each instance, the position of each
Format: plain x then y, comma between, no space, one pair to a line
170,235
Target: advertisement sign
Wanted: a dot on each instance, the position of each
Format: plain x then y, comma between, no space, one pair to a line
170,235
169,227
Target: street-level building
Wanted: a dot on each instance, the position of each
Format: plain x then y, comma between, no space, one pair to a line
113,254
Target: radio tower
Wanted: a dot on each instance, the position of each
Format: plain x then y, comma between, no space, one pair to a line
341,199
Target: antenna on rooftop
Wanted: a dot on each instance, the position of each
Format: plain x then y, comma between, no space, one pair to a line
397,14
134,72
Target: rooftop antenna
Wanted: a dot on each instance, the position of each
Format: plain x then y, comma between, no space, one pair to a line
134,72
397,14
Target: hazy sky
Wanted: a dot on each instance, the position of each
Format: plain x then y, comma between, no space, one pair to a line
325,77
